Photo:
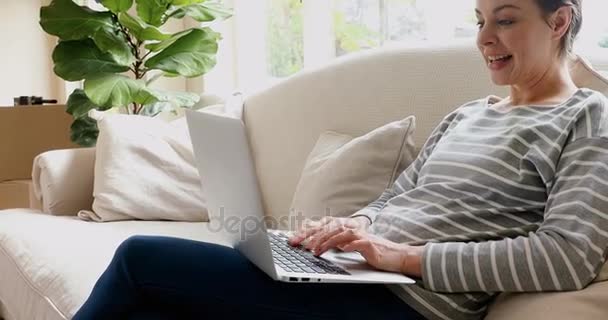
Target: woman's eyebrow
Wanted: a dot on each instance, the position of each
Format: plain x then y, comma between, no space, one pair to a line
499,8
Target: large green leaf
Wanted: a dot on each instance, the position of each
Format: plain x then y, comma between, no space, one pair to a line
153,11
158,46
117,5
79,104
152,110
169,101
68,21
116,45
81,59
191,55
84,131
177,99
185,2
117,91
152,33
134,24
141,30
202,12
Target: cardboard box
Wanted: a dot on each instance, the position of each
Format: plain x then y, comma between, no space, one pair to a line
18,194
27,131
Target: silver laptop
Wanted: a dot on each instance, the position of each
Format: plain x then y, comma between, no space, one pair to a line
234,202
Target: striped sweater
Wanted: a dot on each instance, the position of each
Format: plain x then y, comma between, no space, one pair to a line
503,201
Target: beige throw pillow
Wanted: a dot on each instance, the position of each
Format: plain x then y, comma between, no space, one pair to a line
343,175
584,75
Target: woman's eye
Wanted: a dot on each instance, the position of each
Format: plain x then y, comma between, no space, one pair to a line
505,22
479,24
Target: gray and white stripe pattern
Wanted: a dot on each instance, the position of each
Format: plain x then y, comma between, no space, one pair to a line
504,201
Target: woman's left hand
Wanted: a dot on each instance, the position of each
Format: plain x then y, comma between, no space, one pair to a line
379,252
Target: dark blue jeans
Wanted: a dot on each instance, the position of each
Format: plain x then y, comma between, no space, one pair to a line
168,278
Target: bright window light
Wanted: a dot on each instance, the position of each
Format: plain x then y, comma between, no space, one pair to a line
273,39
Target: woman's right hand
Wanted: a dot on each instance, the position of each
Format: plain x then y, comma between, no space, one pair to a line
312,232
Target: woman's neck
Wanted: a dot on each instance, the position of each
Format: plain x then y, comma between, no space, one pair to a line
552,87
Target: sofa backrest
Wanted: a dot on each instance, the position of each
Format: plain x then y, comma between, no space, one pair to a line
354,95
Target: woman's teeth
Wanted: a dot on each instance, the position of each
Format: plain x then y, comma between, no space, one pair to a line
496,58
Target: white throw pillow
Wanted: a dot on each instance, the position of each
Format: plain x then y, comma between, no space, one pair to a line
145,169
343,175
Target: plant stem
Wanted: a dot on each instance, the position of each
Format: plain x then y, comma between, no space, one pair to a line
146,55
135,49
138,63
137,68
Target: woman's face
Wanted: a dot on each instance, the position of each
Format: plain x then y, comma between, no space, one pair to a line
515,40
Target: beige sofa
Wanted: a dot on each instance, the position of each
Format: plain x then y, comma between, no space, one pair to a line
50,261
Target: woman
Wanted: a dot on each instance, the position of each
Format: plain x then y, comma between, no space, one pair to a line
504,196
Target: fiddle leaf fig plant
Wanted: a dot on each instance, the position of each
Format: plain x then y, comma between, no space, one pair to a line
121,50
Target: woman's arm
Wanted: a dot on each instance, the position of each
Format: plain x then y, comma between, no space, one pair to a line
565,253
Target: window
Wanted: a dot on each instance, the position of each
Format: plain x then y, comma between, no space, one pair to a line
306,33
285,50
593,38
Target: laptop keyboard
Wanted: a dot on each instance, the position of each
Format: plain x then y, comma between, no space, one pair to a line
297,259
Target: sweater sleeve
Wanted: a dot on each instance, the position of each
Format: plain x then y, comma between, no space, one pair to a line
408,178
565,253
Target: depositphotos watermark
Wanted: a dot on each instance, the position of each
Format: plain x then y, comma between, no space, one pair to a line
245,225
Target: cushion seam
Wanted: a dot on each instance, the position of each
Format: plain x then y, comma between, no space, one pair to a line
30,284
399,155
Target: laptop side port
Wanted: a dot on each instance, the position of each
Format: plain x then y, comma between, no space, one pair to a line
305,279
293,279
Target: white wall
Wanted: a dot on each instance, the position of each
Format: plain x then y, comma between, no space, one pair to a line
25,58
26,67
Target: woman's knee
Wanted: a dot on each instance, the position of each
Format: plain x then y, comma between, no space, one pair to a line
134,247
138,248
138,253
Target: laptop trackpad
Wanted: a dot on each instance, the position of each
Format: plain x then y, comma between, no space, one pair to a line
348,260
356,265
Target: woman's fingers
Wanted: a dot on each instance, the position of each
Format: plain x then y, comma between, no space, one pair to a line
331,228
355,245
310,228
365,248
302,235
320,238
338,239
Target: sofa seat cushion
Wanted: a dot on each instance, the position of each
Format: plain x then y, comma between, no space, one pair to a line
587,304
49,264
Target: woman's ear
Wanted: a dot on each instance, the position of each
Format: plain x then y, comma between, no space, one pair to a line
560,21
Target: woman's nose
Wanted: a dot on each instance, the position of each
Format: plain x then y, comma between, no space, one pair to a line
486,37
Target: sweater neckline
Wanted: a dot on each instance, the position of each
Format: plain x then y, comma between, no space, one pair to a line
491,100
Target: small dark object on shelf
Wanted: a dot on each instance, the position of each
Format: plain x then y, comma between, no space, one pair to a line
33,100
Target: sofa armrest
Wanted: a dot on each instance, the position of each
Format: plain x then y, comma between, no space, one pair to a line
63,180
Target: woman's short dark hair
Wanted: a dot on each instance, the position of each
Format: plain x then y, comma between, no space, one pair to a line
550,6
